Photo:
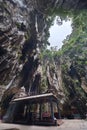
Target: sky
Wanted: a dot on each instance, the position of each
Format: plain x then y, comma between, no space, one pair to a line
20,2
58,33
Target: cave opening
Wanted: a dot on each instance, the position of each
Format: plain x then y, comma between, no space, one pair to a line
59,30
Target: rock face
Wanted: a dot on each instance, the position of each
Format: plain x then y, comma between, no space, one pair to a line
20,36
23,34
75,86
12,38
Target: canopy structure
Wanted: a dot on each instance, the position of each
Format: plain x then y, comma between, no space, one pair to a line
37,109
37,98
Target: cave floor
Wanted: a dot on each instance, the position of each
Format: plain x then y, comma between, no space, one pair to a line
67,125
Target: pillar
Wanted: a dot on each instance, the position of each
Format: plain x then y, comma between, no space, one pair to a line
52,112
59,115
40,111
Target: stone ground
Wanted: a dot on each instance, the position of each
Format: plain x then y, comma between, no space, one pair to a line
67,125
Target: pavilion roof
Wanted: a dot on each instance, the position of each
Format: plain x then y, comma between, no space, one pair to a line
37,98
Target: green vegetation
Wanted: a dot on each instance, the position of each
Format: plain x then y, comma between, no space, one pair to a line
73,52
75,44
